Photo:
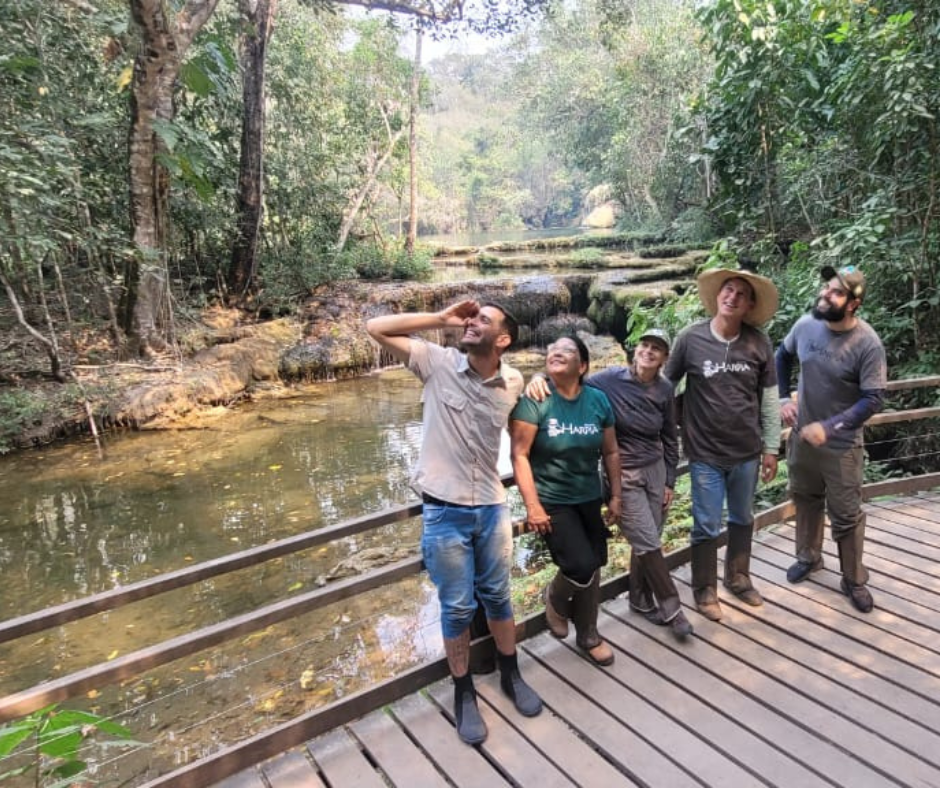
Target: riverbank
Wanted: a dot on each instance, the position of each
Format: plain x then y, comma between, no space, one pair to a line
224,356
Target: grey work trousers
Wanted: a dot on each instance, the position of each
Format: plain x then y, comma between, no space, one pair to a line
821,480
643,491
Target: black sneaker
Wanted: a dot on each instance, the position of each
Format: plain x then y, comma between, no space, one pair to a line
859,595
527,701
470,725
799,571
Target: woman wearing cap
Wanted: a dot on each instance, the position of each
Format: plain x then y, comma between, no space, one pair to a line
556,444
644,408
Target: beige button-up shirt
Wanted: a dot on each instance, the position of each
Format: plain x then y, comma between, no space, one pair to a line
464,417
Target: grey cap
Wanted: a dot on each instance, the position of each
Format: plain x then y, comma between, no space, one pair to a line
657,333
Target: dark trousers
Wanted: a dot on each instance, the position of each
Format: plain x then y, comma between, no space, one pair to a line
578,540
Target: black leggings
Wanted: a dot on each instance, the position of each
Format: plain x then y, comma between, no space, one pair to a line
578,540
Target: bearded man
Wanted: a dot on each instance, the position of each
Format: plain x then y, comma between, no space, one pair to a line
842,381
466,541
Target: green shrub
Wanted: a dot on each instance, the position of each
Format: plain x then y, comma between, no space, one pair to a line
588,257
20,410
413,267
489,262
49,741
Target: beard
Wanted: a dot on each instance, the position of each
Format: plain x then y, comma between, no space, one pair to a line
824,309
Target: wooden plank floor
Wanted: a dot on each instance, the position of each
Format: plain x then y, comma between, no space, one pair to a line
803,691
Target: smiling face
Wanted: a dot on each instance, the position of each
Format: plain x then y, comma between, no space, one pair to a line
834,302
563,361
485,331
649,357
736,298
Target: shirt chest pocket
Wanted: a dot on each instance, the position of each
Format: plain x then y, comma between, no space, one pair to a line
454,400
484,408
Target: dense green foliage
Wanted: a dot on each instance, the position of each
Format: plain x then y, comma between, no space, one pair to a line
822,122
805,131
63,133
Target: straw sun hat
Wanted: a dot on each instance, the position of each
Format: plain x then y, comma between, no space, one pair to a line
765,293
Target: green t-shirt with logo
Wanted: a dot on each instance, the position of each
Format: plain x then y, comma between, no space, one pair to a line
566,451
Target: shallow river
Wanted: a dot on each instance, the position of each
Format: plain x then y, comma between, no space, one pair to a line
72,524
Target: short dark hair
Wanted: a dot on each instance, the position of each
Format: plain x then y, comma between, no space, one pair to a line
510,324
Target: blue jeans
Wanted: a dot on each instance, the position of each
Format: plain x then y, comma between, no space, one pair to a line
711,486
467,552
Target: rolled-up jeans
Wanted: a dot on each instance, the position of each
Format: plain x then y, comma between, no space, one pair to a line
468,549
712,486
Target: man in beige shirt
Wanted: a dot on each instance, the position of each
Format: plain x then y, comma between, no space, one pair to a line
466,541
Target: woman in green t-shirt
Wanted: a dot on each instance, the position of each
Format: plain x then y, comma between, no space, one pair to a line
556,445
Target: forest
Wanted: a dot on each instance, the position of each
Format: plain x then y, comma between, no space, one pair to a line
158,157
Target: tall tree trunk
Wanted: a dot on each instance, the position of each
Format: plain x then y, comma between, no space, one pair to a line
259,15
413,146
164,41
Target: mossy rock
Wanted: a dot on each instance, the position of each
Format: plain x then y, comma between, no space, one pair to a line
561,325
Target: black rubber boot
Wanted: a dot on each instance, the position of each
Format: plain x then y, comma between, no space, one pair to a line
664,589
854,573
640,594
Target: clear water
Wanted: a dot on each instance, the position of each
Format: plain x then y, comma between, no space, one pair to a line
72,524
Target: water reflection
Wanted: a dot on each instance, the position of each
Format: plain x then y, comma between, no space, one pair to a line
72,525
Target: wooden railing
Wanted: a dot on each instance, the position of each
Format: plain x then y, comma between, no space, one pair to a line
238,757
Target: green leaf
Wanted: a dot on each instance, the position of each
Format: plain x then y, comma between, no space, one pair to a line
62,744
167,132
196,79
70,769
11,736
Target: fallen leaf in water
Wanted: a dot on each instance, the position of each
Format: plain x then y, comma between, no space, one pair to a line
296,586
256,636
275,467
113,654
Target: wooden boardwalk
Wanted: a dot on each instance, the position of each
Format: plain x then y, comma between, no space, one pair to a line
804,691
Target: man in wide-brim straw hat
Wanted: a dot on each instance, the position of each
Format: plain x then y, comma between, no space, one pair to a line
730,424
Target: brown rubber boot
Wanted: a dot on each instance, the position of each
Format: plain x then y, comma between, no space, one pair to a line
738,565
584,606
558,595
705,579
